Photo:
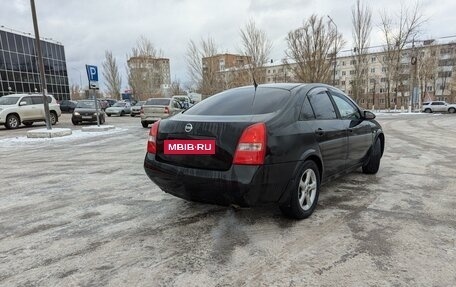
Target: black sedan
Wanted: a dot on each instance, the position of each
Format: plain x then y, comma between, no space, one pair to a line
273,143
68,105
85,111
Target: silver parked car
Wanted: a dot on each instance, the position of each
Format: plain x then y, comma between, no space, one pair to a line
438,106
119,109
136,109
159,108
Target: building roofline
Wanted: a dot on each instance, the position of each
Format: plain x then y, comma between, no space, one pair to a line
30,35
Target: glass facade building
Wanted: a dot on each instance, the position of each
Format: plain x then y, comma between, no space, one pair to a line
19,71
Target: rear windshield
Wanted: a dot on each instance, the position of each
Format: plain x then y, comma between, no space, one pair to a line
158,102
241,102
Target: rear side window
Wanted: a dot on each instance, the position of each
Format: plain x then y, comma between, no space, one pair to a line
158,102
243,101
322,106
306,111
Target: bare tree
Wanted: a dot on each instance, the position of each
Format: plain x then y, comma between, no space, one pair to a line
310,47
257,47
202,66
111,74
427,61
176,88
398,30
147,71
362,27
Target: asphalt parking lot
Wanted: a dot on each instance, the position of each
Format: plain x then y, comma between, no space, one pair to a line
80,211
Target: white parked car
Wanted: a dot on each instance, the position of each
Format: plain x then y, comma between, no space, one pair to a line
438,106
119,109
26,109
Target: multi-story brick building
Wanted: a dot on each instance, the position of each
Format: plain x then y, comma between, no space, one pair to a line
149,76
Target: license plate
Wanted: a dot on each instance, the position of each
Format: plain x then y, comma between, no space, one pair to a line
87,117
198,147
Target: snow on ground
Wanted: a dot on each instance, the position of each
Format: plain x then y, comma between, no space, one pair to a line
76,135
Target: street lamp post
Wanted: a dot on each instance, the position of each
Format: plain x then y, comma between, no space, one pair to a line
335,51
41,65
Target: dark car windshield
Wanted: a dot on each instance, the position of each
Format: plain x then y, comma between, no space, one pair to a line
86,104
119,105
140,103
8,100
241,102
158,102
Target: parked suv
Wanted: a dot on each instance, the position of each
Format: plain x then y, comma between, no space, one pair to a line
159,108
26,109
438,106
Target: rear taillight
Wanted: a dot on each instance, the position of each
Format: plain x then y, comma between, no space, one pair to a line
152,142
251,148
166,110
141,110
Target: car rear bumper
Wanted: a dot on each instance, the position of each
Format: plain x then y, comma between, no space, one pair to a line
242,184
92,118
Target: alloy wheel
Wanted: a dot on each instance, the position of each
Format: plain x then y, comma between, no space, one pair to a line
307,189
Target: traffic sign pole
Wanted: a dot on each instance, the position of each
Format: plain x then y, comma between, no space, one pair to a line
92,74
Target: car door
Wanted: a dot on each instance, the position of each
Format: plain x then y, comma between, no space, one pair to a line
26,108
359,132
38,108
329,131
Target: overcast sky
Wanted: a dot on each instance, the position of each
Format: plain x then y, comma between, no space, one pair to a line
89,27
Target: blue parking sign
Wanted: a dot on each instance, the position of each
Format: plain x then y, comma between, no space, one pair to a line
92,74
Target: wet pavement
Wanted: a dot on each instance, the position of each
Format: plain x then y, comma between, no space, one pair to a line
82,212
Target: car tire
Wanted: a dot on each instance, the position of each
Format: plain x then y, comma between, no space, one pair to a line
304,192
109,115
373,162
451,110
427,110
28,124
12,122
75,122
53,118
132,115
144,124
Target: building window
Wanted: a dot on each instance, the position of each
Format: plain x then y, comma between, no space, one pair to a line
344,73
429,88
343,63
383,80
384,69
372,81
343,83
373,59
352,72
352,62
372,70
382,101
382,90
269,71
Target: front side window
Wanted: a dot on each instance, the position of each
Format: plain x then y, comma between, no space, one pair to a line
346,109
27,100
322,106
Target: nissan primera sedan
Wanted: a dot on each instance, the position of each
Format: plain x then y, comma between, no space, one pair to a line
275,143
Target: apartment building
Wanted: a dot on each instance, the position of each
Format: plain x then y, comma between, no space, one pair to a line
149,76
432,75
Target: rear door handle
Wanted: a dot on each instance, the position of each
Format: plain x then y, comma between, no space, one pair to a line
319,132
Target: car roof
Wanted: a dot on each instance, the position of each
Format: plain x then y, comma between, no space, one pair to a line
22,95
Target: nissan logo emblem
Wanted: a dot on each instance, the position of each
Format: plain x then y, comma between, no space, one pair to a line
188,127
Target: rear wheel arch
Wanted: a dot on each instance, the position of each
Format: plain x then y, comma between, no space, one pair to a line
381,137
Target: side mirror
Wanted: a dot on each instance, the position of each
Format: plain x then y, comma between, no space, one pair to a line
368,115
23,103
